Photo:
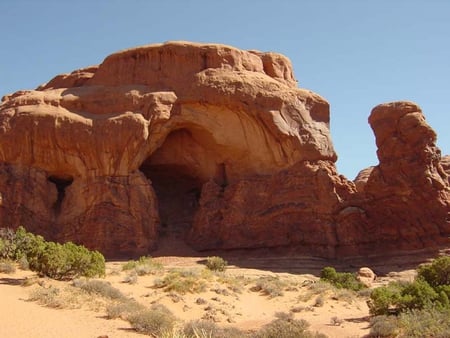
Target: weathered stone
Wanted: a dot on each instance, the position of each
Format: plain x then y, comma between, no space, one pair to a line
215,145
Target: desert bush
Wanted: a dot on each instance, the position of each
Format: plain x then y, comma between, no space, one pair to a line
131,278
123,309
7,266
269,286
50,296
319,302
7,243
143,266
59,261
216,263
182,281
437,273
23,263
155,321
102,288
397,297
208,329
384,326
341,280
429,322
287,327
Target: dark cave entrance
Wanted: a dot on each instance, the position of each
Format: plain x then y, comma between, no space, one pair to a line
178,195
178,169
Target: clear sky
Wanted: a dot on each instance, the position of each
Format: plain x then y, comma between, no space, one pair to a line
355,53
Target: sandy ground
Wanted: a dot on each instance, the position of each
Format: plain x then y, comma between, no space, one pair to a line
246,309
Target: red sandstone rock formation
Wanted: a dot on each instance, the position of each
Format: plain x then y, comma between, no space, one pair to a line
214,144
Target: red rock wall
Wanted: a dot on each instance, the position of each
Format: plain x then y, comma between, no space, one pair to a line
218,143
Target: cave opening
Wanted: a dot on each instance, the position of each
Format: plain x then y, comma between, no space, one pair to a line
178,196
61,183
177,170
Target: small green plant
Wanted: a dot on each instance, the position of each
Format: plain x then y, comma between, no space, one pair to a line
156,321
341,280
216,263
7,266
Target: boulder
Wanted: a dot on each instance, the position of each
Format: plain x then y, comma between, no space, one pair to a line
366,276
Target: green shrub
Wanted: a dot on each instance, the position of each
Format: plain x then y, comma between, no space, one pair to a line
216,263
59,261
7,266
398,297
341,280
437,273
156,321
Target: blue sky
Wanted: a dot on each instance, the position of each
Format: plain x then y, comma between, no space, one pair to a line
355,53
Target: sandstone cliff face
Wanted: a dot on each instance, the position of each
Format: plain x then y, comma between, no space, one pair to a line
214,144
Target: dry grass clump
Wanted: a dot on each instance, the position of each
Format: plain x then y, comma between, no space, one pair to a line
216,263
102,288
123,309
204,328
269,286
285,326
143,266
7,266
50,297
156,321
183,281
314,289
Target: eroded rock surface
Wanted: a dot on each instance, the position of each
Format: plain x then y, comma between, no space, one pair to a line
215,145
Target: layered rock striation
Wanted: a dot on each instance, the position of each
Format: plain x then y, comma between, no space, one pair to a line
218,146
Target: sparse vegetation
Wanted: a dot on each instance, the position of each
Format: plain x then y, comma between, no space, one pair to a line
216,263
58,261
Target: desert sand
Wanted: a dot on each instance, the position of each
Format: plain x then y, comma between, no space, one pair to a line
229,299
